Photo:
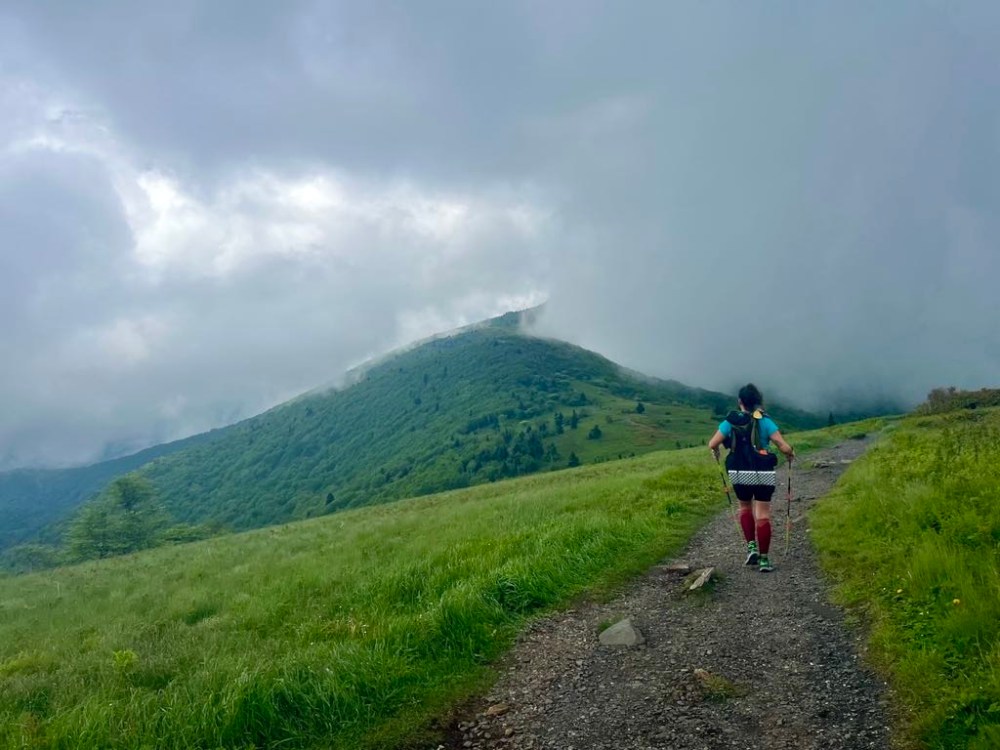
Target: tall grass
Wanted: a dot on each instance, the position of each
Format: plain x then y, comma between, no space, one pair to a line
912,534
352,630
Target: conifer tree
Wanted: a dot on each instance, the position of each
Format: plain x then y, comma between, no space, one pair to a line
125,518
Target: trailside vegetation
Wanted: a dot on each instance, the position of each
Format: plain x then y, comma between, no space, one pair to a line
941,400
912,535
352,630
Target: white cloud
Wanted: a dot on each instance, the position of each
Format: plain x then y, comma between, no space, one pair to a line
206,304
128,342
245,203
321,214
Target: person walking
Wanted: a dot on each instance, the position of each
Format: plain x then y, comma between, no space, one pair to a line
751,467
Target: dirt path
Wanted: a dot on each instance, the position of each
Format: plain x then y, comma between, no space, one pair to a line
782,669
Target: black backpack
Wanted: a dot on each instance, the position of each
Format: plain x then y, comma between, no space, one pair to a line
745,451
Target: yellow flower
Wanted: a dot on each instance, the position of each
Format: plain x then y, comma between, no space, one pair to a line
956,602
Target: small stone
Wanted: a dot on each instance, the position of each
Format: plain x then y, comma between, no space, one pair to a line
678,567
704,576
622,634
497,709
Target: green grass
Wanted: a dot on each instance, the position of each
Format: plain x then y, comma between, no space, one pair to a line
627,433
806,442
719,689
352,630
912,535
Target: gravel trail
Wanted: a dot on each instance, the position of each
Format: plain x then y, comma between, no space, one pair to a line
757,661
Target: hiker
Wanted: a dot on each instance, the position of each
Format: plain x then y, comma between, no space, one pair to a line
751,468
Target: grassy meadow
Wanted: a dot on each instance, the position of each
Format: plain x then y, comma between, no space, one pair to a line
351,630
912,535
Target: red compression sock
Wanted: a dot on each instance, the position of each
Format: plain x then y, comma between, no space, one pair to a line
764,534
746,523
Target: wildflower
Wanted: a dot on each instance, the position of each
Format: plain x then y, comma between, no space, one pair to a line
956,602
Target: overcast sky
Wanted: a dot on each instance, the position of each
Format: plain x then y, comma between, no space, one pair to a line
209,207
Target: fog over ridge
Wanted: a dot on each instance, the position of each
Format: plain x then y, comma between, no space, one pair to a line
210,208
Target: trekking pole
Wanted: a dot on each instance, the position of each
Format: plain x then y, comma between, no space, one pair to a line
788,509
732,507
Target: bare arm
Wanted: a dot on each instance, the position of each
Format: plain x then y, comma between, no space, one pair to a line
783,446
715,442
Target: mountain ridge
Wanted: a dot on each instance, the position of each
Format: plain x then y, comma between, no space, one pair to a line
512,404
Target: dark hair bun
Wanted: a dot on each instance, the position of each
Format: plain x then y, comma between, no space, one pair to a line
751,397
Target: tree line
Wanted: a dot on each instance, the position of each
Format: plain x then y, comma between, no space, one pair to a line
126,517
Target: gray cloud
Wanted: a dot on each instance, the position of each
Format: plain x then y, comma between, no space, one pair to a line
209,207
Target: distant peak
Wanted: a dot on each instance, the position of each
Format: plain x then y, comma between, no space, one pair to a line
516,319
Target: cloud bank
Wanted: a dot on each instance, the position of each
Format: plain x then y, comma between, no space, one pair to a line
209,208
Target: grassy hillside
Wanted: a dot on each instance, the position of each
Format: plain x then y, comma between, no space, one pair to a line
912,534
462,410
347,631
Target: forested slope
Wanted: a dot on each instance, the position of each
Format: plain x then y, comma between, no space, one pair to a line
479,405
459,410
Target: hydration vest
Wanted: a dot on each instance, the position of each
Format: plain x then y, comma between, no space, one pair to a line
745,451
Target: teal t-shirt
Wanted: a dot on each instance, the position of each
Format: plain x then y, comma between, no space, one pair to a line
767,428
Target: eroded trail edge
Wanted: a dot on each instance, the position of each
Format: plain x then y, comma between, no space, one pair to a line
755,661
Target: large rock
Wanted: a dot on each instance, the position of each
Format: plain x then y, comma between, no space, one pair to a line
622,635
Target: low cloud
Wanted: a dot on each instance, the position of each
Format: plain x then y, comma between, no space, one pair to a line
208,208
148,309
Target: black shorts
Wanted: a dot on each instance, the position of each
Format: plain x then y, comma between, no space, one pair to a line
748,492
